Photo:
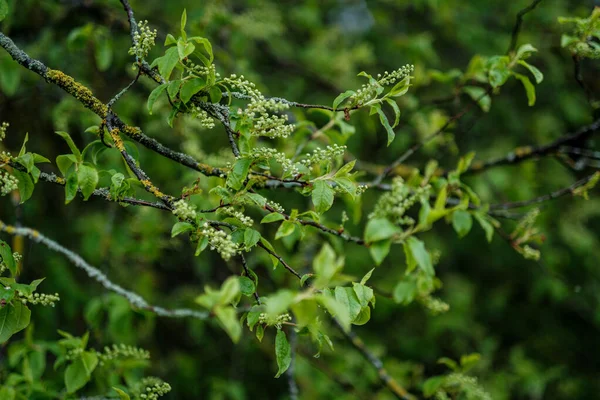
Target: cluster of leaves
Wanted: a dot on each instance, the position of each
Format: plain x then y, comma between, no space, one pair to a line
582,40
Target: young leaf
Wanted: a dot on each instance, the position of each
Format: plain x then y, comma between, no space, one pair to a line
420,255
379,229
154,95
529,88
78,374
71,187
13,319
181,227
283,352
88,180
190,87
25,185
379,250
251,237
6,256
237,176
384,121
273,217
230,322
338,100
462,222
537,74
71,144
322,196
167,63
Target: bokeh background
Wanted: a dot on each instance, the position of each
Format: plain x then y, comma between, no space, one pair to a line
536,324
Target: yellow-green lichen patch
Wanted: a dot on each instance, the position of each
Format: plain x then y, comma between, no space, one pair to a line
77,90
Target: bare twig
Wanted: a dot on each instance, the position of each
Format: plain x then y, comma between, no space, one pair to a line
134,299
517,27
524,153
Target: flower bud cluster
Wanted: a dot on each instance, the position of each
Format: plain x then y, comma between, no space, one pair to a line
8,183
243,85
183,210
276,206
39,298
143,40
368,91
327,154
289,167
220,241
395,203
73,353
263,318
3,127
435,305
205,120
232,212
201,69
153,388
123,351
272,126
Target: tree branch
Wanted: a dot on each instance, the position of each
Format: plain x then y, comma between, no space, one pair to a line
94,273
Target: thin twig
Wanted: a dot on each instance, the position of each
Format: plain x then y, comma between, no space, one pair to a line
517,27
134,299
524,153
550,196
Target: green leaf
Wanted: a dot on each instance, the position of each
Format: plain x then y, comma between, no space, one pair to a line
230,322
154,95
64,162
170,39
23,147
363,316
3,9
181,227
400,88
537,74
273,217
499,71
103,53
468,361
215,94
384,121
190,87
285,229
363,293
25,184
183,21
13,319
336,310
379,250
432,385
379,229
87,177
462,222
420,255
78,374
525,51
173,88
529,88
246,286
167,63
322,196
71,187
251,237
367,276
348,299
283,352
485,225
345,169
71,144
405,292
338,100
6,256
237,175
396,109
325,266
121,393
260,332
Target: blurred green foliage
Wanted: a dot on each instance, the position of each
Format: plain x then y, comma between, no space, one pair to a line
534,323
